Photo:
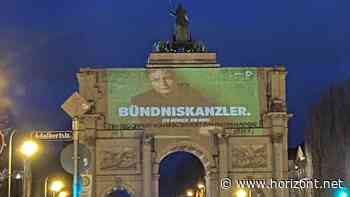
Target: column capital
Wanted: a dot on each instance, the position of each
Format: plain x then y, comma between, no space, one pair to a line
89,137
277,137
279,115
148,139
223,137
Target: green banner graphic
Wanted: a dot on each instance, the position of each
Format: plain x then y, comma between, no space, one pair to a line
181,97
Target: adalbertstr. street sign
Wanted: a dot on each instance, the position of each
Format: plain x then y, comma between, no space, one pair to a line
53,135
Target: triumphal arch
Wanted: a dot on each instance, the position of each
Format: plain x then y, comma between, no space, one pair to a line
233,119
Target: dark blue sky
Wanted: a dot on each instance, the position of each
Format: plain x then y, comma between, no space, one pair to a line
44,43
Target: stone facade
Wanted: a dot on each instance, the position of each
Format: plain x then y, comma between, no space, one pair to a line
130,159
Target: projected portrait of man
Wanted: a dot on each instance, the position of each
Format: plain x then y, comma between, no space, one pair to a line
167,90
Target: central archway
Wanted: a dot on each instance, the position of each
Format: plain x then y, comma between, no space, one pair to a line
179,172
199,152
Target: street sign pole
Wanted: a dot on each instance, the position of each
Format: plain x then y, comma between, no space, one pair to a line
75,128
75,106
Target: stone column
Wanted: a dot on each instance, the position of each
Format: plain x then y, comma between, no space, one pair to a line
279,121
223,162
277,161
155,185
147,167
87,136
155,178
212,186
90,141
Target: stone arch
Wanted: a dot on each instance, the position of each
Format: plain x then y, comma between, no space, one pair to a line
200,152
188,146
119,186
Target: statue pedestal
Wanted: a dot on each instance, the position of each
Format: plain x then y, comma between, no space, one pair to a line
182,60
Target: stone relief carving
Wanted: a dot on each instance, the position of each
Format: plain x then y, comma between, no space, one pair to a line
118,158
249,156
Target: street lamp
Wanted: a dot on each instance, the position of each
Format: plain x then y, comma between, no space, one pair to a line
63,194
55,187
28,149
189,193
201,189
18,175
241,193
201,186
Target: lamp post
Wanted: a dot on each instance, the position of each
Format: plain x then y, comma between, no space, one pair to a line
10,163
28,149
46,185
63,194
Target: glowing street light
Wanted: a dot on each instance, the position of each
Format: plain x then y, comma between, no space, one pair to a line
201,190
18,175
190,193
242,193
57,186
63,194
201,186
29,148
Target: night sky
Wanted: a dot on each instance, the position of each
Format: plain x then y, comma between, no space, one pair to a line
44,43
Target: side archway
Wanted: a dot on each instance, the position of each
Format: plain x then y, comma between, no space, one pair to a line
121,188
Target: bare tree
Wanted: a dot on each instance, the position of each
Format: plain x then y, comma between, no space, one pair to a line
328,136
